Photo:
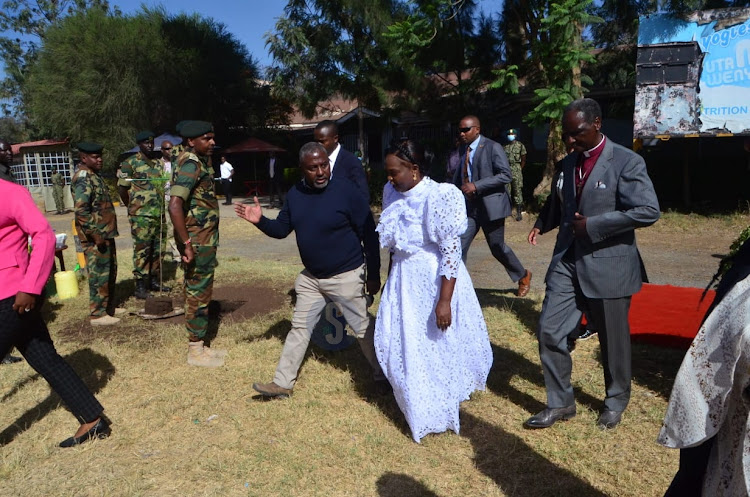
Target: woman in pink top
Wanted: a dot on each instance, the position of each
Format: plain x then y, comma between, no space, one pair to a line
22,279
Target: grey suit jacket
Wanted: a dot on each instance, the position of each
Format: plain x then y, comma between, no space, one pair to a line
490,172
618,198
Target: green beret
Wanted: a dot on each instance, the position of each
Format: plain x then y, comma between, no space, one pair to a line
144,135
90,147
179,126
512,131
194,129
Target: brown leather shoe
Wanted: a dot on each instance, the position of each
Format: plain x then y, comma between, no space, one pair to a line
524,284
272,390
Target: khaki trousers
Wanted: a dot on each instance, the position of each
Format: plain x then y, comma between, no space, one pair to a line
347,292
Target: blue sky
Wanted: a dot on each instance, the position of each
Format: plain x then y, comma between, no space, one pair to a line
248,20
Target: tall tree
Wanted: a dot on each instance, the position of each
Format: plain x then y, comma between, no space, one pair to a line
324,48
102,77
24,24
450,42
544,38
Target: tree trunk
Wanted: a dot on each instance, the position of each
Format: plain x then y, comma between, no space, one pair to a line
555,153
361,125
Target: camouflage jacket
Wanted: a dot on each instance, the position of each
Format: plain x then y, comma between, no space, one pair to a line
144,178
94,212
57,179
193,182
514,150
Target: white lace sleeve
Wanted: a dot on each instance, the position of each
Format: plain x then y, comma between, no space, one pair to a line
446,222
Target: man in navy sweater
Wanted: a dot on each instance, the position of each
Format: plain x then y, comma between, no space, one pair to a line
332,221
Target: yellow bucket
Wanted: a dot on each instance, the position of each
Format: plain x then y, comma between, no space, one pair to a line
67,284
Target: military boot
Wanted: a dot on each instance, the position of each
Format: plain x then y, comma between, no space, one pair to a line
198,355
518,213
156,287
141,289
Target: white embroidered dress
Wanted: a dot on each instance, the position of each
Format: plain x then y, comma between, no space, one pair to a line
431,371
711,396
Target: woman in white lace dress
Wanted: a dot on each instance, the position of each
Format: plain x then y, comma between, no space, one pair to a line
430,336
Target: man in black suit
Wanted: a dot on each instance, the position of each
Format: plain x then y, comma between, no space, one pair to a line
483,175
344,164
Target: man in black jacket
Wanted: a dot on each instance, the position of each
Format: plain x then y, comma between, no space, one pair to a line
332,221
344,164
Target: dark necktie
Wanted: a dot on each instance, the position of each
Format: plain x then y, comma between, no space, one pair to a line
466,165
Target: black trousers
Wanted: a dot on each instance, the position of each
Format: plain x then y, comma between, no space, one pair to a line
28,333
226,185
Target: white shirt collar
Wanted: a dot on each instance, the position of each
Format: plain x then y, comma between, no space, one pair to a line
333,156
587,153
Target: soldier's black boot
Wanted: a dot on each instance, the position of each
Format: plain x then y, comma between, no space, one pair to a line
141,289
158,288
518,213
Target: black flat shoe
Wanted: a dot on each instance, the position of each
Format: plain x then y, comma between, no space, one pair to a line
100,430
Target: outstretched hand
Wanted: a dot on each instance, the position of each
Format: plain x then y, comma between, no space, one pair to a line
250,212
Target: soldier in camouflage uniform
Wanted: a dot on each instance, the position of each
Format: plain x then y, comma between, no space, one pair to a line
194,209
96,224
58,183
141,187
516,153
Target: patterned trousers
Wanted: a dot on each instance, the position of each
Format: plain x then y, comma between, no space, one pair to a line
199,285
28,333
148,234
102,267
516,185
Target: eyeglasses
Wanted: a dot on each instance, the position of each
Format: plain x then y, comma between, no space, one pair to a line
166,148
465,130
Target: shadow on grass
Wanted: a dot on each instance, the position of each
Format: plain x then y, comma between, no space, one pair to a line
524,309
507,364
401,485
99,370
516,467
350,360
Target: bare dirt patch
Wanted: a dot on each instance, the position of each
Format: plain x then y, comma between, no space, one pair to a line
234,303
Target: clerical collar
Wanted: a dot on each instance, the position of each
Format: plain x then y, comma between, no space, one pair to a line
589,152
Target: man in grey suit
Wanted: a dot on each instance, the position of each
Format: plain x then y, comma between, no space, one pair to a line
602,193
482,176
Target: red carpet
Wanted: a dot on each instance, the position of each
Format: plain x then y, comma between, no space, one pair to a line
667,315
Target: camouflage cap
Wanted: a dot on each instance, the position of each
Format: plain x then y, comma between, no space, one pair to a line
90,147
512,131
193,129
144,135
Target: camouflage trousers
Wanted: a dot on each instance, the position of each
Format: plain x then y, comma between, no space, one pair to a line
516,185
199,285
148,245
102,268
57,193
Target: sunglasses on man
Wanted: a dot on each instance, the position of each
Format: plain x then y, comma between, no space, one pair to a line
465,130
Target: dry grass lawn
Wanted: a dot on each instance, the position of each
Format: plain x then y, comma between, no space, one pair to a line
183,431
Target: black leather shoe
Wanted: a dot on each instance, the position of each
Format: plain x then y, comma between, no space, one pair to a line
609,419
100,430
550,416
586,334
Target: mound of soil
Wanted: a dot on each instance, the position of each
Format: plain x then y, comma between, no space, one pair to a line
235,302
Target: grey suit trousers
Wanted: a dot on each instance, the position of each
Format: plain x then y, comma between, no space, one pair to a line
494,232
561,312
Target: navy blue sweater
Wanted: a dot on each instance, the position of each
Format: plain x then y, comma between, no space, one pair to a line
331,226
